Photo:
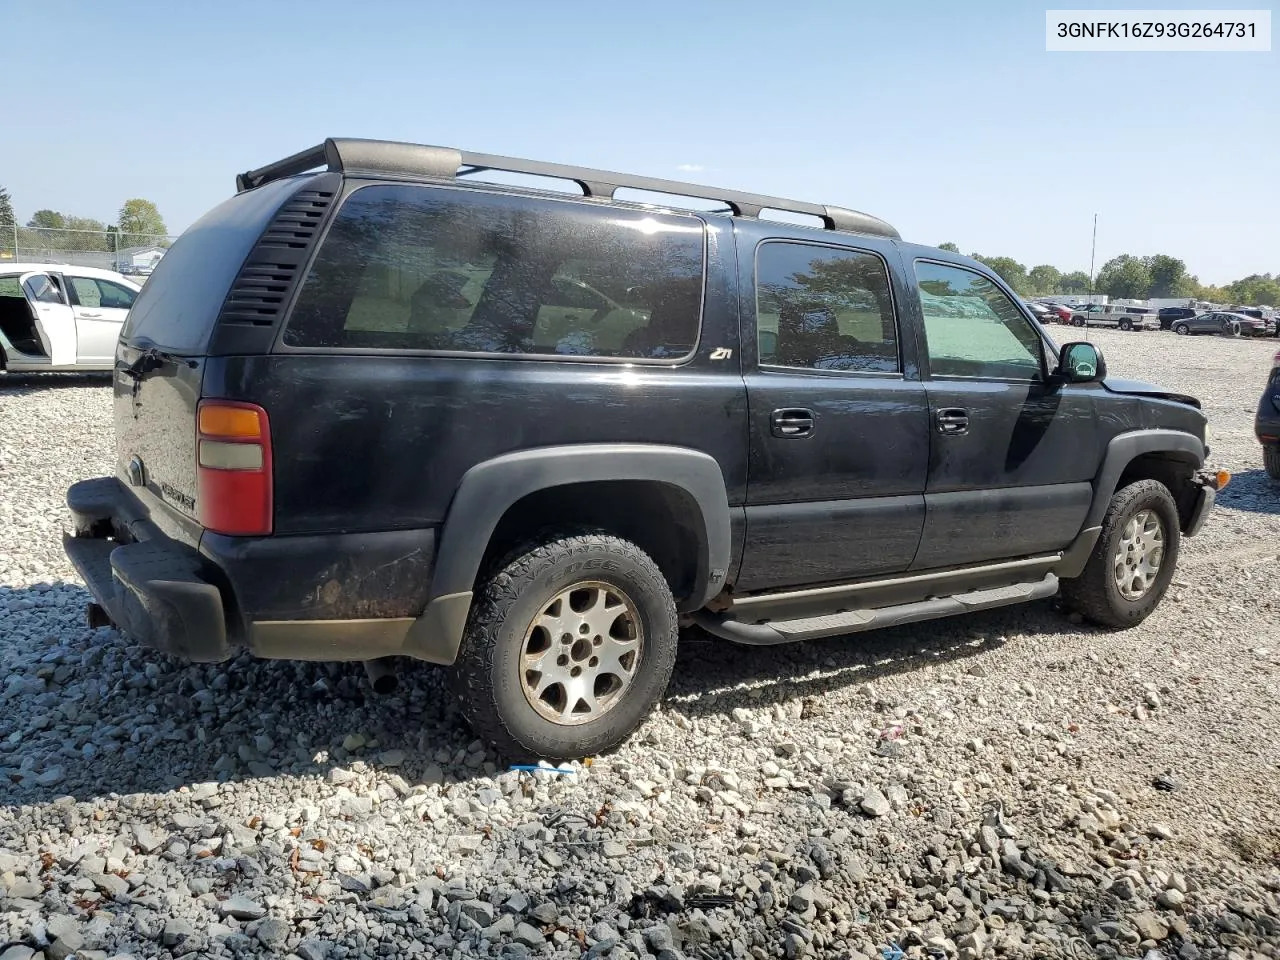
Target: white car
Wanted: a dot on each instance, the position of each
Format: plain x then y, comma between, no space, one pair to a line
57,317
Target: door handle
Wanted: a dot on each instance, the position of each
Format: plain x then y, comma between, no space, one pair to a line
791,423
90,316
952,421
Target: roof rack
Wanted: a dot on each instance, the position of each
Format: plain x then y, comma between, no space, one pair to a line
384,156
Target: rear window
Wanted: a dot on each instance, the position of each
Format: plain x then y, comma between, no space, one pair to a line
181,300
409,267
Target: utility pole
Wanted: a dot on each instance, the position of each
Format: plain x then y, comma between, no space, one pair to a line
1093,250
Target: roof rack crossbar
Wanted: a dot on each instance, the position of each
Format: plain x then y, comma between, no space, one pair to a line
378,156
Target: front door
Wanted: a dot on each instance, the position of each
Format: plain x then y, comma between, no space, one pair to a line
1013,452
839,432
54,321
100,307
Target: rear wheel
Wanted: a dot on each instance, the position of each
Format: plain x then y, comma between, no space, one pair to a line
569,645
1133,561
1181,329
1126,323
1271,460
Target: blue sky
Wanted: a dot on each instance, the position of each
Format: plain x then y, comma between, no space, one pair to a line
948,119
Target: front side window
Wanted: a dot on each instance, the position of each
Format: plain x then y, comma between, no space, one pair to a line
973,329
407,267
824,308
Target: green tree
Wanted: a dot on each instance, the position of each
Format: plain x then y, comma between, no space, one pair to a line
1011,272
949,247
1075,282
1124,277
1259,288
89,234
1044,279
1168,277
47,220
7,220
140,223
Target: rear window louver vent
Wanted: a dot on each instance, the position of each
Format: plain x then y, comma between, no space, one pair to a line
270,275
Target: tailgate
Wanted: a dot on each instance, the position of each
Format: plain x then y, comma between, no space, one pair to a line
155,419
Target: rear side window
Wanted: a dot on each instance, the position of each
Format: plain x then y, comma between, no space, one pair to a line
91,292
824,308
408,267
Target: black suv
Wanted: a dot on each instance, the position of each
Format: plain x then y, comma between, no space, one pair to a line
384,408
1168,316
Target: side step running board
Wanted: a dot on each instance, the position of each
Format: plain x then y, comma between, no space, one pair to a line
856,621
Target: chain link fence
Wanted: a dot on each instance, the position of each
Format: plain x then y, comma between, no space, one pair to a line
128,253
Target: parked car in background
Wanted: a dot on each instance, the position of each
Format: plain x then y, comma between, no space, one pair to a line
314,462
1119,315
1168,315
1226,324
1063,312
1040,311
55,317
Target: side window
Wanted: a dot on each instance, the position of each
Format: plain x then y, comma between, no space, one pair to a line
823,308
85,292
115,296
407,267
973,329
44,289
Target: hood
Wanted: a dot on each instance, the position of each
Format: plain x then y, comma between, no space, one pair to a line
1140,389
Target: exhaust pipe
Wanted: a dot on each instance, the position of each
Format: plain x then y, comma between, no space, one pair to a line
382,677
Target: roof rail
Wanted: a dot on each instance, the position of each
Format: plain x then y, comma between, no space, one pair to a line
384,156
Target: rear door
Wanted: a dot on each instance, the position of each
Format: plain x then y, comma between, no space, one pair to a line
100,307
1013,452
55,322
838,417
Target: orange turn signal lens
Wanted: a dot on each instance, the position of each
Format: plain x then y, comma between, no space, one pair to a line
232,423
1223,477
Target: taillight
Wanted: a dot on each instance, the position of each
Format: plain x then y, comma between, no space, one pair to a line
233,468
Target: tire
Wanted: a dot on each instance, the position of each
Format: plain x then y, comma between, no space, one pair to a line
1077,321
1126,324
1181,329
1096,594
547,579
1271,461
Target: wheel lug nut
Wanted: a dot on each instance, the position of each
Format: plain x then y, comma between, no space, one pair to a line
594,662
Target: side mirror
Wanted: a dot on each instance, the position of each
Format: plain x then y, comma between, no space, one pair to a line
1081,362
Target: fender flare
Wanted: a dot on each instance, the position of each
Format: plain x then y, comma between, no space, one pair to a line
1122,450
488,489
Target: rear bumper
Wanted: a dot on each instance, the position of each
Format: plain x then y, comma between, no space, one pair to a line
353,596
157,590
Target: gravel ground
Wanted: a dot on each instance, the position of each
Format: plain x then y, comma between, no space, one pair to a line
1007,784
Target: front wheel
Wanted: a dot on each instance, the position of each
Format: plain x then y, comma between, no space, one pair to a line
1181,329
1271,461
1077,321
1133,561
569,645
1126,324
